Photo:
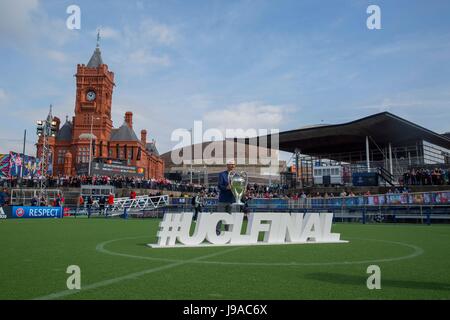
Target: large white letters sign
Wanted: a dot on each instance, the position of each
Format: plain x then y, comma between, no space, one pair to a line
278,228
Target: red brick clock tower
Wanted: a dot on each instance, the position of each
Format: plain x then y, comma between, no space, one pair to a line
95,84
93,101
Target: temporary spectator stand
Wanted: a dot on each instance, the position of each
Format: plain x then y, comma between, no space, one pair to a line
24,196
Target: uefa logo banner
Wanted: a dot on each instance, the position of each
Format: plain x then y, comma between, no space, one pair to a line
277,228
19,212
37,212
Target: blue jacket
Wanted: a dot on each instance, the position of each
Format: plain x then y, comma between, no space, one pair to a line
2,198
225,195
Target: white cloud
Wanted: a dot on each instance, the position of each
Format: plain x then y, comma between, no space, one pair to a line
200,102
56,55
13,143
410,104
407,102
147,34
143,57
413,43
247,115
141,47
152,31
108,33
406,107
140,5
16,18
3,96
26,27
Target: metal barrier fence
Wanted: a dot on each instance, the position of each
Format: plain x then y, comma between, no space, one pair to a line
140,203
393,199
401,199
24,196
120,206
425,208
422,207
424,214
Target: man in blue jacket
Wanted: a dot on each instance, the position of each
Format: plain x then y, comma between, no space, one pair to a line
3,197
226,197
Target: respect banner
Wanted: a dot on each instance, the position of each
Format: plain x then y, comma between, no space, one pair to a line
36,212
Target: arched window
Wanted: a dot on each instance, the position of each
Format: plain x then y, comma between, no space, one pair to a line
61,154
83,154
93,148
100,147
138,154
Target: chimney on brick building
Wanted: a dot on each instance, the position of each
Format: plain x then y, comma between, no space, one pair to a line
129,119
144,136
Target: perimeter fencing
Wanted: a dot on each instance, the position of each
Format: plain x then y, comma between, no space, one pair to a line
424,207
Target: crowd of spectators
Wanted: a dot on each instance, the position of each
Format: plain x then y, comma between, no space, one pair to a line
255,190
116,181
303,194
419,176
424,176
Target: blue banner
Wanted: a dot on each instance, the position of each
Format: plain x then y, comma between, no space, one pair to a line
268,203
437,198
188,201
36,212
181,200
365,179
212,202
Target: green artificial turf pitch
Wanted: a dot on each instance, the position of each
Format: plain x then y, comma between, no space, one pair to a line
116,263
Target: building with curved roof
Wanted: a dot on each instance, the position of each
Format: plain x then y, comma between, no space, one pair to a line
382,141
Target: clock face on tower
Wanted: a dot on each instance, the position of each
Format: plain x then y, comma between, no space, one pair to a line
90,95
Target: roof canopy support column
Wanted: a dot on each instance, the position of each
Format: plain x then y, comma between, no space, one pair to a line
367,154
390,159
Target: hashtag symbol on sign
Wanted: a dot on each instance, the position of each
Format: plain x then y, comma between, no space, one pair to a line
169,229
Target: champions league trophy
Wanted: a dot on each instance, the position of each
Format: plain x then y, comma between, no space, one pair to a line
238,185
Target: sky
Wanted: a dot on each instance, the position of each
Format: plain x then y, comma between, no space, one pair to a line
245,64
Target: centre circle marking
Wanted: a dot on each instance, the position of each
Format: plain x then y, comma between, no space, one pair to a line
417,252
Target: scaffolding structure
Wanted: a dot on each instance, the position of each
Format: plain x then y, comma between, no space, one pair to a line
45,129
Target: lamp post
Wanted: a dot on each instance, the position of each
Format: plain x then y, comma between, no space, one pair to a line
192,153
90,144
45,129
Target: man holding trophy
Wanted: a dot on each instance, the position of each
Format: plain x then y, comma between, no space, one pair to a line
232,186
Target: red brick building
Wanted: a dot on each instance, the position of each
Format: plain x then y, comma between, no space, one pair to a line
93,102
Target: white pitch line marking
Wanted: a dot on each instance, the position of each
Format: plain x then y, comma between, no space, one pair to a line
174,263
130,276
417,252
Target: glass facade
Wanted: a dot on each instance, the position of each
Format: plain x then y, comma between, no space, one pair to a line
434,154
